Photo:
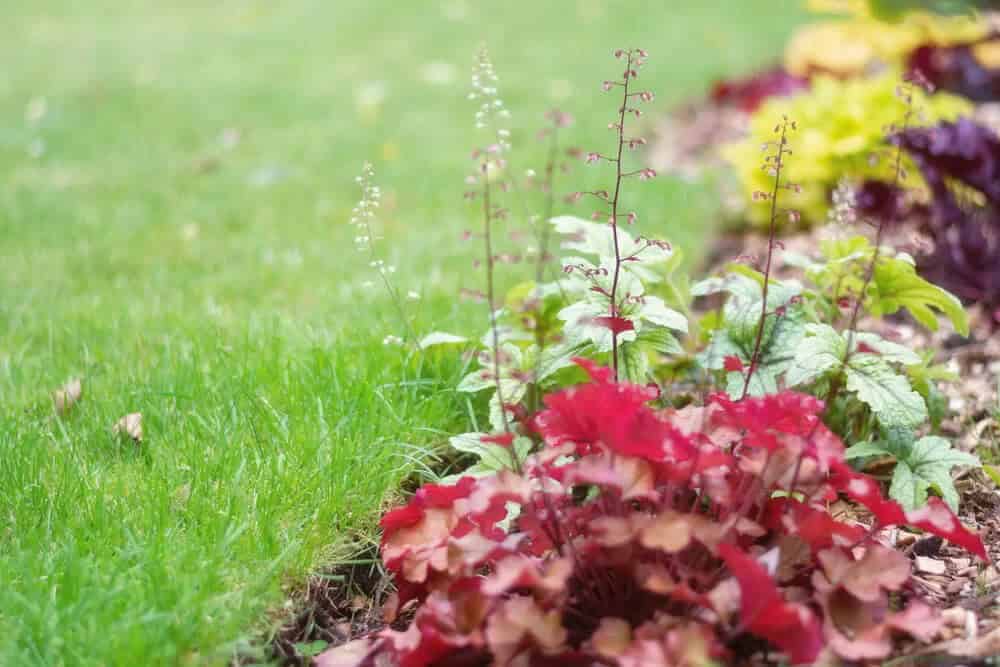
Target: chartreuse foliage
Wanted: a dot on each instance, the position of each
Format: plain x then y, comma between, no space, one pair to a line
842,125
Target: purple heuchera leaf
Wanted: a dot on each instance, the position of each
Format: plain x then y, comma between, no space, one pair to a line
964,150
956,69
966,254
878,200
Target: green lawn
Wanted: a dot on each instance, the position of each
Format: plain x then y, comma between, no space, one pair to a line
213,285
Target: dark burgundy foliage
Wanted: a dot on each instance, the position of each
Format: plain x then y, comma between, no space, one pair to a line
653,537
963,151
750,92
956,70
966,254
879,201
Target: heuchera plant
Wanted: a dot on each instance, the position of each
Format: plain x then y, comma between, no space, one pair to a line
649,537
622,533
772,334
609,303
836,139
748,93
966,235
875,34
961,69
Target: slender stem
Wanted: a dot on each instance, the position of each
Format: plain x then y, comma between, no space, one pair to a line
491,294
852,325
614,217
548,184
389,287
778,164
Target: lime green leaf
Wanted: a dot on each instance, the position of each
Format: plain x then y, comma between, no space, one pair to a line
655,311
492,457
888,351
886,392
864,449
821,350
896,285
932,459
763,382
906,488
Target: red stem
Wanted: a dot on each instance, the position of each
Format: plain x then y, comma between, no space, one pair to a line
614,216
778,163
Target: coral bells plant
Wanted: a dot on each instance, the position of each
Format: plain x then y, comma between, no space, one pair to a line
634,59
636,536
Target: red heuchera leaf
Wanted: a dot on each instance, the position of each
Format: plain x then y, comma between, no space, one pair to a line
429,495
616,325
733,363
750,92
814,526
865,490
604,412
854,596
623,516
502,439
785,412
791,627
934,517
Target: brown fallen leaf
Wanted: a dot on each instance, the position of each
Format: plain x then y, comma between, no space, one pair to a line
130,425
66,396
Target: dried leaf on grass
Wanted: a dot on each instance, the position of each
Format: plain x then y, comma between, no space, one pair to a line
65,397
130,425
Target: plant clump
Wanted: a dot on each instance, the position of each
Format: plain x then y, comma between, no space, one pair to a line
645,536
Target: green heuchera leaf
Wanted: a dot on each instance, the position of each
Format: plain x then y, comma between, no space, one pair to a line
886,392
896,285
821,350
738,331
596,240
921,466
492,457
865,449
928,466
842,270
